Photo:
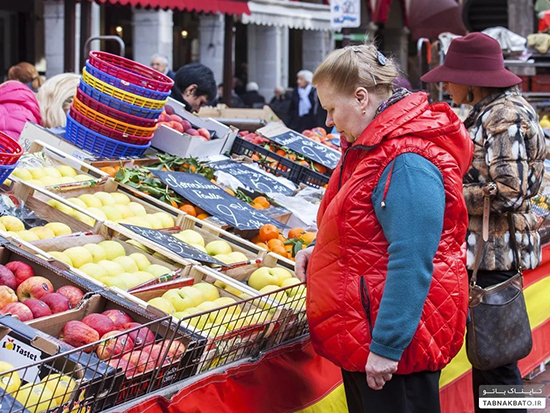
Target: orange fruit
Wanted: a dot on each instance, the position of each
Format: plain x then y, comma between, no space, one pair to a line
109,170
229,191
289,247
262,200
280,250
256,238
272,243
289,254
255,157
256,206
268,231
295,233
202,216
282,238
189,209
308,237
261,245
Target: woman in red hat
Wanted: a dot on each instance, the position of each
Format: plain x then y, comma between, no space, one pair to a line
509,151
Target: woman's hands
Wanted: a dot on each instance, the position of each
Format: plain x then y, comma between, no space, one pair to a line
379,370
302,260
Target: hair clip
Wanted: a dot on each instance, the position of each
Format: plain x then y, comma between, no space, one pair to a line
356,49
382,61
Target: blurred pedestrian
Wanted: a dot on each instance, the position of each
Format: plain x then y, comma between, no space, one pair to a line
55,98
236,101
26,73
280,104
160,63
305,111
18,105
252,98
508,166
194,86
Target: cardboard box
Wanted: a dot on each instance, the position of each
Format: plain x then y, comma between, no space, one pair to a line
243,119
171,141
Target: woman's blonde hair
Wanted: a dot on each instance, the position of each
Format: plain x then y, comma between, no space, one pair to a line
357,66
55,98
26,73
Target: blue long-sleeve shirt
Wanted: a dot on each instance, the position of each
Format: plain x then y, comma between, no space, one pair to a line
412,221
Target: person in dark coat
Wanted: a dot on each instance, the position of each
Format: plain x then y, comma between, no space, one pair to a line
305,111
160,63
280,104
236,101
194,86
252,99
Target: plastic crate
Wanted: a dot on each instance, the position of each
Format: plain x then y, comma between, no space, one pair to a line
5,171
129,71
129,87
100,145
281,166
10,150
118,104
113,113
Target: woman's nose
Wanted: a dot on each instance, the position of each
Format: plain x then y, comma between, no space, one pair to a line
329,122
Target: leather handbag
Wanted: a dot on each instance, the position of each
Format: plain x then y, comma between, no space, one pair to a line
498,330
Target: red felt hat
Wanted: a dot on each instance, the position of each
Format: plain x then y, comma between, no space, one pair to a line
473,60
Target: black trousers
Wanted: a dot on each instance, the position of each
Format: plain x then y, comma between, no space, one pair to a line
508,374
411,393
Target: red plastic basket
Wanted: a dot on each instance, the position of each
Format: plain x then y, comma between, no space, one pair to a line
113,113
10,150
129,71
108,132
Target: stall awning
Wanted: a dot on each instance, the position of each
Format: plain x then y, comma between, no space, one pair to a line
208,6
296,15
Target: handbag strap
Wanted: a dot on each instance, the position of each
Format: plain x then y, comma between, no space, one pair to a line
515,247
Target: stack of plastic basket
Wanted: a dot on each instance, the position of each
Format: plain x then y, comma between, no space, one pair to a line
10,152
115,110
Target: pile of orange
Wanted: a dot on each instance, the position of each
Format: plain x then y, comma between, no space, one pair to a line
110,170
272,240
260,202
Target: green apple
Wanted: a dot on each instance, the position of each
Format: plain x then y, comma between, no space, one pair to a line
114,282
165,219
141,260
158,270
112,249
237,256
196,295
94,270
105,198
98,253
90,200
291,292
282,274
130,279
113,269
120,199
263,276
180,301
209,292
61,257
127,263
162,304
218,247
79,256
191,237
137,209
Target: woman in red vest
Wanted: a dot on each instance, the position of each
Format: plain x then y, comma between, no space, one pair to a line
387,281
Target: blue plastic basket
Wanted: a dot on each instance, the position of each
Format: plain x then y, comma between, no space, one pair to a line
5,171
129,87
98,144
118,104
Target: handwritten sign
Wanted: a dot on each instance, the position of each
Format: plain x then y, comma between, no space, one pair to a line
253,180
315,151
173,244
201,192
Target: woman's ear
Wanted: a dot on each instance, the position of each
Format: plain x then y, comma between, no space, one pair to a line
362,97
190,90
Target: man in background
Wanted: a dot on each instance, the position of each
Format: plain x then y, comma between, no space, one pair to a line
160,63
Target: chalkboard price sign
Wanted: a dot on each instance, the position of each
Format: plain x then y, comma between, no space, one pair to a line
253,180
201,192
173,244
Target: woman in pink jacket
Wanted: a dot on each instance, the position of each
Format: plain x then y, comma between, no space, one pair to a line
18,105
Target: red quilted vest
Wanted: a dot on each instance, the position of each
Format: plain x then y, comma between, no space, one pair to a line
347,270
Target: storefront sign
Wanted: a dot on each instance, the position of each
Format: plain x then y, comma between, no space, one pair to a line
173,244
253,180
345,13
201,192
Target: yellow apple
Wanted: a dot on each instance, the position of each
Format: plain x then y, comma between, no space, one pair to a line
2,227
199,247
94,270
36,397
153,221
263,276
49,180
82,178
23,174
97,213
282,274
37,173
165,219
233,291
62,387
112,213
78,202
291,292
191,237
143,276
79,256
218,247
28,236
66,180
114,282
209,292
90,200
223,258
105,198
121,199
162,304
141,260
66,170
124,210
59,229
237,256
51,171
113,268
112,249
179,300
61,257
83,218
137,209
43,232
157,270
127,263
206,306
9,382
60,206
12,223
98,253
196,295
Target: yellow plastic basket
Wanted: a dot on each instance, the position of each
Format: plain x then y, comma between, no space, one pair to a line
121,94
110,122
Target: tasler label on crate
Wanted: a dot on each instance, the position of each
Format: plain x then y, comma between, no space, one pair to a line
201,192
20,354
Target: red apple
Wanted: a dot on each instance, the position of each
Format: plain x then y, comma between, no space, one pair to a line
120,318
176,118
19,310
34,287
38,308
141,337
7,296
192,132
21,270
176,126
128,368
74,294
159,353
7,277
142,360
169,110
176,349
164,118
114,346
186,124
78,334
58,303
204,132
100,323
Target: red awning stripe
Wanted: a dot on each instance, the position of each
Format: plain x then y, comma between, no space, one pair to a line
210,6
